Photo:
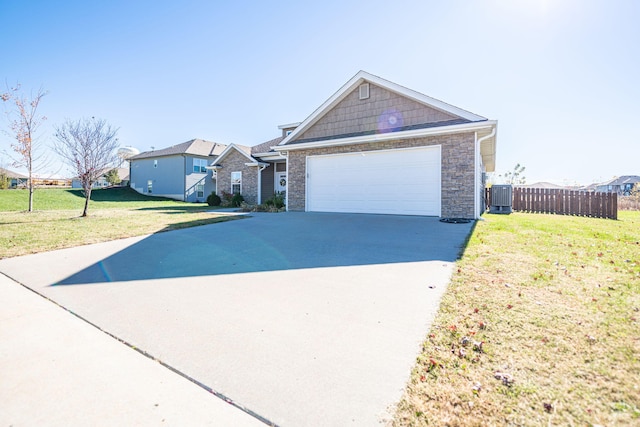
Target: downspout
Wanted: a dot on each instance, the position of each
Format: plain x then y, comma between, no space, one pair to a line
286,194
260,169
184,182
477,166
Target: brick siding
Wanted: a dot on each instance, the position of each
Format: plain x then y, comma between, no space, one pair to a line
457,170
235,162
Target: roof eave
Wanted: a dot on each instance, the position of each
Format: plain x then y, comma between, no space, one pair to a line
415,133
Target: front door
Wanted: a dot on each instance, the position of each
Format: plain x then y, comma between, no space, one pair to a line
281,182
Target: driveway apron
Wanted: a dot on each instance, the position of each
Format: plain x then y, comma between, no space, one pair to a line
306,319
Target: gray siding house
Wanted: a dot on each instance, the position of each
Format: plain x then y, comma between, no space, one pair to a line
373,147
179,172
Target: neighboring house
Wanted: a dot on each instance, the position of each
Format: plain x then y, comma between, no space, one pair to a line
372,147
623,185
545,185
50,180
15,179
101,182
179,172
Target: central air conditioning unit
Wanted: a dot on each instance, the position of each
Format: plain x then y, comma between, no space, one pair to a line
501,199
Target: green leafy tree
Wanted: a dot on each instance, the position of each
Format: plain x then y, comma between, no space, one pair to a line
4,181
112,177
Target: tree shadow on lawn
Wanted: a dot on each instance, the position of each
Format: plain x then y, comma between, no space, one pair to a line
179,209
268,242
117,194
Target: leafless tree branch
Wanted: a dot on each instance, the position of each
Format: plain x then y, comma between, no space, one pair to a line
89,147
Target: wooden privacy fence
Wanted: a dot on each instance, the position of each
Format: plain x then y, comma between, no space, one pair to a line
563,202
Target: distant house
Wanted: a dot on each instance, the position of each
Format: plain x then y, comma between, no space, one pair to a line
15,179
101,182
623,185
545,185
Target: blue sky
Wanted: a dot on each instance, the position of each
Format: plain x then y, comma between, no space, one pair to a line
560,76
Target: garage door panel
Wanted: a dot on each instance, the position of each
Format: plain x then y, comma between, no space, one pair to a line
392,181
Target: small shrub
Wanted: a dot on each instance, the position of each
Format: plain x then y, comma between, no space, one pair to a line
4,181
236,200
226,199
277,201
213,199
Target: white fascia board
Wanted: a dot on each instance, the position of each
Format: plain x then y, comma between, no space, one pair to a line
263,155
328,104
272,157
289,125
256,164
415,133
228,149
362,76
422,98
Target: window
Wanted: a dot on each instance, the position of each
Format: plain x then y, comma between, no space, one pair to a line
288,132
155,163
149,186
200,191
200,165
236,182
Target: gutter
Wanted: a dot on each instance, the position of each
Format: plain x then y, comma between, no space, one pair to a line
476,198
471,127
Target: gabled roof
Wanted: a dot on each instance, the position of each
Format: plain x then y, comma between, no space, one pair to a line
363,76
621,180
242,149
195,147
461,121
13,175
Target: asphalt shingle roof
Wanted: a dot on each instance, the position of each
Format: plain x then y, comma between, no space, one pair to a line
196,147
265,147
11,174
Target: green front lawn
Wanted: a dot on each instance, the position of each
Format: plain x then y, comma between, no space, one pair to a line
113,214
539,326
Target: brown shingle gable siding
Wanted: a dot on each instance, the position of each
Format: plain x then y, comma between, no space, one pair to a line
382,111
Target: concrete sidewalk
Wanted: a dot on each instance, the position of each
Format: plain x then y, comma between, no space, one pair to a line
57,370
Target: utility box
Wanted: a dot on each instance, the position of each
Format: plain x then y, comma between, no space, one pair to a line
501,199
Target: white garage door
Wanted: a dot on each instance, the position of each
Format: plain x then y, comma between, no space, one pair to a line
403,181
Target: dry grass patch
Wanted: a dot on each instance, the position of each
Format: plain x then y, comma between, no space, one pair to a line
22,233
538,327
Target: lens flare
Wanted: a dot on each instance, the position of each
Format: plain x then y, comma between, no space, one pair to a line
390,121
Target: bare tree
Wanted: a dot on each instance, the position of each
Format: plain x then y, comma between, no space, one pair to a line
515,177
88,146
24,122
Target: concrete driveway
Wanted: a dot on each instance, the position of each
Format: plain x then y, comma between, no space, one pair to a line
301,318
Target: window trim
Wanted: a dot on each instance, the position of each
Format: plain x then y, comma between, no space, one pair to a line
198,196
150,186
238,181
200,164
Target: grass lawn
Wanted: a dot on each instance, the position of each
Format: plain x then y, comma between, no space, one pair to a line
113,214
539,326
